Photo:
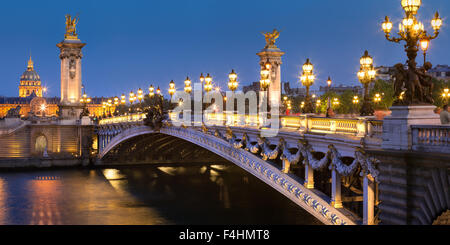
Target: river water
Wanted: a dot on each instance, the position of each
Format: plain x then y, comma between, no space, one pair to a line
172,194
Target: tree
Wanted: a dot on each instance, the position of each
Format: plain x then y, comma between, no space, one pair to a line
386,90
438,89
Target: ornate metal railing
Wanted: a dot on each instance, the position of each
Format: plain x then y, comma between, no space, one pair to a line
305,123
121,119
431,138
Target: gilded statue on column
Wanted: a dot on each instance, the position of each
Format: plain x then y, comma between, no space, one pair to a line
71,29
271,38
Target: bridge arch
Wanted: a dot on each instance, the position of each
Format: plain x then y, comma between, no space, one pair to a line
284,183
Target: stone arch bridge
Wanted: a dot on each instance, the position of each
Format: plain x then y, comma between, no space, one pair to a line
336,169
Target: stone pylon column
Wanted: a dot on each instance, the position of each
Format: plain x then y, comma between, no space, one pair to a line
272,54
70,55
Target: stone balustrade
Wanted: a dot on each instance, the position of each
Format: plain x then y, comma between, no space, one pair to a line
431,138
306,123
123,119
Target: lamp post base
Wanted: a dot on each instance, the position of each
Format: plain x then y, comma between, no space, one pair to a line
366,109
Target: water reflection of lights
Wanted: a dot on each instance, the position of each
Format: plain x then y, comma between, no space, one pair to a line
219,167
168,170
112,174
3,198
115,179
45,190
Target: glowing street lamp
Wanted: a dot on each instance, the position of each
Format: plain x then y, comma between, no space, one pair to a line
446,94
424,45
377,98
336,102
208,82
132,97
171,89
140,95
307,78
158,91
366,75
187,85
123,99
413,32
151,91
232,83
265,75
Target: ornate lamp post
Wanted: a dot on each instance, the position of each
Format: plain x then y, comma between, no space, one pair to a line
366,75
307,79
187,85
123,99
132,98
412,31
85,100
171,89
140,96
232,82
265,76
158,91
116,104
151,91
329,82
208,82
109,105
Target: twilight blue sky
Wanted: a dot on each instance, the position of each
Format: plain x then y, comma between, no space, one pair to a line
132,44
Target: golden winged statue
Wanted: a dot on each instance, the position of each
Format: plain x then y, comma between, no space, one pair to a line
71,29
271,38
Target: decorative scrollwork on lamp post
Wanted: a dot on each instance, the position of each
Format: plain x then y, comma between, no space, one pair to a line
366,75
307,78
414,82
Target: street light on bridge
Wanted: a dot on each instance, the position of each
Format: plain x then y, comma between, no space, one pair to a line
446,95
187,85
307,78
171,89
366,75
151,91
265,75
158,91
232,83
123,99
424,45
208,82
413,32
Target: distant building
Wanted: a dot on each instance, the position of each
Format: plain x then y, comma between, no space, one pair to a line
384,73
341,89
441,72
31,98
255,86
293,91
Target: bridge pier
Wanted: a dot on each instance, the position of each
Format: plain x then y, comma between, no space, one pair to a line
309,176
336,197
286,166
368,200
